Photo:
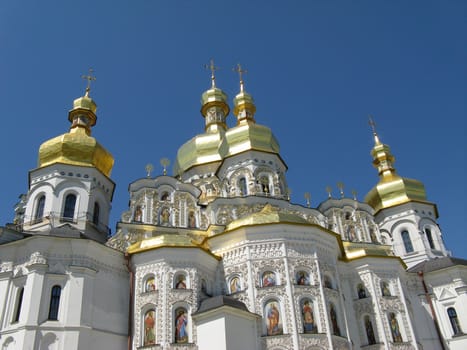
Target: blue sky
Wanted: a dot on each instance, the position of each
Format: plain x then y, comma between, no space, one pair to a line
315,68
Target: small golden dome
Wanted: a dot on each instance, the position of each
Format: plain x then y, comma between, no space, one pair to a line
247,135
268,215
78,147
209,147
85,102
244,105
214,97
391,189
251,136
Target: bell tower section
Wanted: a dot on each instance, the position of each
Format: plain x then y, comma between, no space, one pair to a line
70,192
405,217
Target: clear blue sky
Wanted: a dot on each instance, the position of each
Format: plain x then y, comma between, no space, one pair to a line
316,69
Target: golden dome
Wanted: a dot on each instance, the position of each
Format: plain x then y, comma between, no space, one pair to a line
202,149
251,136
209,147
214,97
216,143
268,215
78,147
247,135
391,189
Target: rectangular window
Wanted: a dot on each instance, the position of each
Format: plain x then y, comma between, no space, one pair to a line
19,302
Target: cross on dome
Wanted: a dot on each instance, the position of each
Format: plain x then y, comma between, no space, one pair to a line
240,72
373,127
89,78
212,68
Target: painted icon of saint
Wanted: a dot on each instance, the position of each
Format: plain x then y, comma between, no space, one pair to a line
396,334
181,321
149,325
235,285
269,279
150,284
273,319
302,278
181,283
309,325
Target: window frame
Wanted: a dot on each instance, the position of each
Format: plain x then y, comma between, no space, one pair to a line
54,303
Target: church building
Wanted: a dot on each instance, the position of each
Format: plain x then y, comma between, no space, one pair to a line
217,257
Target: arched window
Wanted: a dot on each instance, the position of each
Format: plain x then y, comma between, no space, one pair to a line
39,209
407,241
180,281
395,331
385,291
361,291
272,318
204,286
149,334
429,237
19,302
456,327
138,215
191,219
95,214
164,217
370,334
181,323
69,209
302,278
264,183
242,186
54,302
334,322
328,282
165,196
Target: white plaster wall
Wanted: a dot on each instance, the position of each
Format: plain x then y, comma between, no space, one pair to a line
212,334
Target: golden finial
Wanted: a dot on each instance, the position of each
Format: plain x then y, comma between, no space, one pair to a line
212,68
149,168
307,197
373,127
340,186
165,162
329,191
354,194
240,72
89,78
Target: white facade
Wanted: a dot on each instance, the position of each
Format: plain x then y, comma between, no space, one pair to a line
217,257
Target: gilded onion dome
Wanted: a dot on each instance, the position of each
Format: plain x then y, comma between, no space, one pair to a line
209,147
391,189
247,135
78,147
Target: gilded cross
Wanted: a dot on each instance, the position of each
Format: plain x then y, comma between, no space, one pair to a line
240,72
212,68
149,168
89,78
373,127
372,124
